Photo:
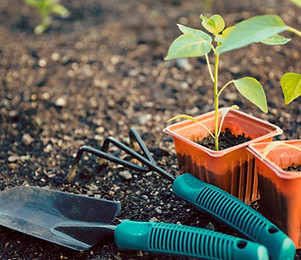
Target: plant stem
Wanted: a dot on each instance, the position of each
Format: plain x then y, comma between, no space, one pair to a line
216,100
231,81
291,29
209,68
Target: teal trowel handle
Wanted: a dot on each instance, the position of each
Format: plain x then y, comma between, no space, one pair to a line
234,213
185,241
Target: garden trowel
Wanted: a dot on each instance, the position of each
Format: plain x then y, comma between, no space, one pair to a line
79,222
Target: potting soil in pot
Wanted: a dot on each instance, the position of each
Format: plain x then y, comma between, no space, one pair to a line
293,168
226,140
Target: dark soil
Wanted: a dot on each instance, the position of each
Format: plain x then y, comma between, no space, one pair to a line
100,72
293,168
226,140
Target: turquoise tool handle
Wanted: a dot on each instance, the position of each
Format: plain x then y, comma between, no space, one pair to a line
228,209
185,241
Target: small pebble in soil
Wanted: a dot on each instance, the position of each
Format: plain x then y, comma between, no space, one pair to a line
13,158
45,96
13,166
92,187
183,64
144,197
153,219
100,130
55,56
42,63
116,188
125,175
27,139
98,138
144,119
158,210
13,113
184,85
230,96
61,102
210,226
48,148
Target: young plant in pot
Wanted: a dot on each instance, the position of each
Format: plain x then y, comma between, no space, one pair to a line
279,171
230,168
278,164
46,9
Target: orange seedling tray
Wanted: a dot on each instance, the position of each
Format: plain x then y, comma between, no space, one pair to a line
280,190
231,169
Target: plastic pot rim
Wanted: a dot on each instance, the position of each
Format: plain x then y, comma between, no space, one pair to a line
221,153
278,170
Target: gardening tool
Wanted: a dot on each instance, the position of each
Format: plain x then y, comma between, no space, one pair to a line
78,222
208,199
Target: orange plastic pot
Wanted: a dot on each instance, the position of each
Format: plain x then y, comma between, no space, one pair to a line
280,191
231,169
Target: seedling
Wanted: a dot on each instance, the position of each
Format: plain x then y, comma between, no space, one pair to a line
46,9
197,43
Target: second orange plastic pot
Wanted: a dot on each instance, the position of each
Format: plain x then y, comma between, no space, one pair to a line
280,190
231,169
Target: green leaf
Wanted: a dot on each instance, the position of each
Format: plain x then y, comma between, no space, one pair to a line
252,90
225,110
252,30
198,33
215,24
225,33
60,10
275,40
291,86
297,2
188,45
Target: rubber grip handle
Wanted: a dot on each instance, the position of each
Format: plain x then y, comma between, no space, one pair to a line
185,241
231,211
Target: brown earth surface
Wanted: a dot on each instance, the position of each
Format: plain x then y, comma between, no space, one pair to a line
100,72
